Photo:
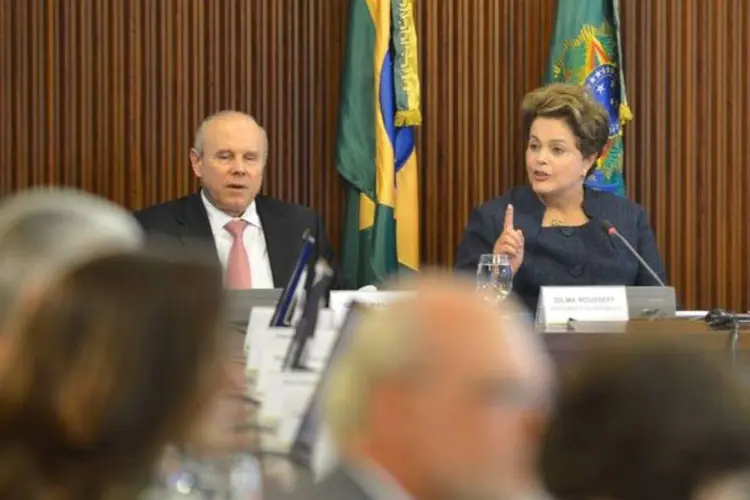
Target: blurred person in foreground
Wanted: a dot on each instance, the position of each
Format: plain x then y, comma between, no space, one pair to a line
46,231
650,419
442,397
551,229
105,365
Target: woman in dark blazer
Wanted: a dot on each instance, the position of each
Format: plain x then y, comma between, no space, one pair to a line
552,228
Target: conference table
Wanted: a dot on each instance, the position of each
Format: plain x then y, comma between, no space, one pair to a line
564,344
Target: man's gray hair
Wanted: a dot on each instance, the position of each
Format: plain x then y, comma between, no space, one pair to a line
198,141
45,231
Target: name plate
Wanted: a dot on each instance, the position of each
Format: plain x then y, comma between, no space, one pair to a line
559,305
258,330
288,395
340,301
287,399
318,351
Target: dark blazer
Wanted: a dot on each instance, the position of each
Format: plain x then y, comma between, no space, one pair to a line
565,256
186,221
338,485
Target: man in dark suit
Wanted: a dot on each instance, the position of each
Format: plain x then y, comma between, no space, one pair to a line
442,396
256,238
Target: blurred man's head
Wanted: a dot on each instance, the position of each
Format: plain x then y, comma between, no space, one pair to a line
43,232
229,157
649,417
444,391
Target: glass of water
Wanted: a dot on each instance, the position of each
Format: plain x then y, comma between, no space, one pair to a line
494,277
235,477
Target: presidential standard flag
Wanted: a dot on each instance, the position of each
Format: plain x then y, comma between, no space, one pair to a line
375,142
586,50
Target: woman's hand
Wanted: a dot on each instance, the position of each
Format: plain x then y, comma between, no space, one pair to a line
510,242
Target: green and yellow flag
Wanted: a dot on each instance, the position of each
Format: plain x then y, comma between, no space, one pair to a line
586,50
375,143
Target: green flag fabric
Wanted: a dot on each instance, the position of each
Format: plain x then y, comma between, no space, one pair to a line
586,50
375,151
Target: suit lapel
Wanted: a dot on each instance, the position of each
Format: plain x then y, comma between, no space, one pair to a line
281,251
193,223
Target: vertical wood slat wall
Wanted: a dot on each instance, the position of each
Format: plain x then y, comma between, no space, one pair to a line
106,94
686,152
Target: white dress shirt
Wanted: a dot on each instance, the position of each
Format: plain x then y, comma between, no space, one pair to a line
253,237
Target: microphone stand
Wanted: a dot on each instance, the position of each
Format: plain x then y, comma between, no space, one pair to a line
613,232
723,320
734,339
307,323
285,308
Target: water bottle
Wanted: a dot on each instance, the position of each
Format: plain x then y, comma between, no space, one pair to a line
246,480
183,486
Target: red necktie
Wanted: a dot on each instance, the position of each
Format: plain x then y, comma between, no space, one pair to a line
238,265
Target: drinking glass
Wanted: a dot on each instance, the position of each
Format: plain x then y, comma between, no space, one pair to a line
234,477
494,277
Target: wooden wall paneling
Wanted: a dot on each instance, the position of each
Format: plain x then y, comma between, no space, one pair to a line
687,78
6,89
106,96
739,106
479,57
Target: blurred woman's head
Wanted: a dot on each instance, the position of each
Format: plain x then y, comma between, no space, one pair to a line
44,231
649,419
105,367
566,131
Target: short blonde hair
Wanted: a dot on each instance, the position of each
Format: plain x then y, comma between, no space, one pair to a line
574,104
385,343
391,341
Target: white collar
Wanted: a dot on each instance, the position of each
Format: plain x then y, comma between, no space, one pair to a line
218,219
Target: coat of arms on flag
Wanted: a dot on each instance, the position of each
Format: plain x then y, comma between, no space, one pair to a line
586,51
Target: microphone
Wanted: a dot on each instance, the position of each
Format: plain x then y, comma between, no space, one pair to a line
612,231
721,318
307,323
282,315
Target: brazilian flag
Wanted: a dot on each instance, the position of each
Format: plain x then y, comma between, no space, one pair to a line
375,151
586,50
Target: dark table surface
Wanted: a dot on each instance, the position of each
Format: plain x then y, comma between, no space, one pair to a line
565,343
